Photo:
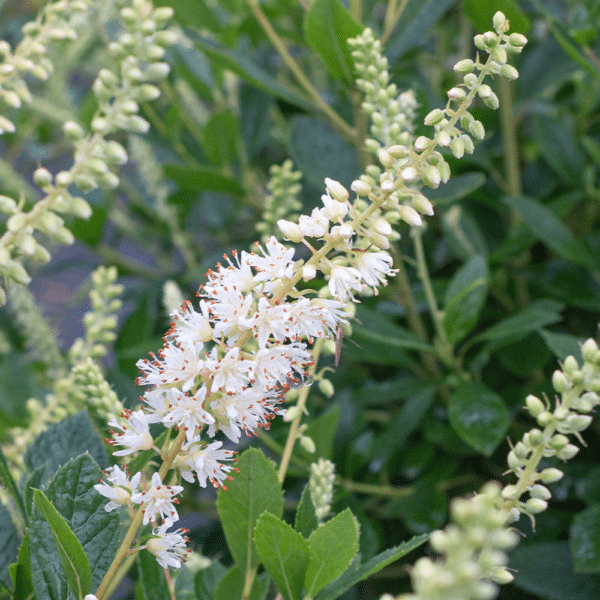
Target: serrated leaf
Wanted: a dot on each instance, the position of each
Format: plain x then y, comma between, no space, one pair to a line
537,315
479,416
8,542
353,575
584,539
283,552
74,561
153,583
327,27
465,298
63,441
207,581
322,431
551,231
21,573
313,139
72,493
254,490
332,548
306,518
231,586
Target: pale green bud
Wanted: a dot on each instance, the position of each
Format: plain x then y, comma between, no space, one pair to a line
432,177
517,40
96,165
457,93
385,159
559,441
73,131
534,405
292,413
398,151
99,125
386,182
136,124
443,138
382,227
114,153
545,418
422,204
16,271
535,506
492,101
162,14
362,188
62,236
540,491
589,350
457,147
80,208
444,170
434,117
533,438
165,38
576,422
464,66
560,381
568,452
156,71
484,91
509,72
477,130
85,183
501,576
490,39
11,98
372,145
107,180
514,462
551,475
409,174
499,55
499,19
510,492
480,42
307,443
326,388
6,126
63,179
7,205
378,240
146,92
410,215
42,177
468,143
421,143
291,231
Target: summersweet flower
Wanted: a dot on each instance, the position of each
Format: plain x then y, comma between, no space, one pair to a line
342,281
187,412
275,263
230,373
135,433
374,267
118,487
190,326
206,461
317,225
159,499
169,548
269,321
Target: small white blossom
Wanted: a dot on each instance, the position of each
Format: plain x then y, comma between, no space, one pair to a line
374,267
118,487
317,225
187,412
230,373
191,327
158,499
342,281
135,433
275,263
206,461
169,548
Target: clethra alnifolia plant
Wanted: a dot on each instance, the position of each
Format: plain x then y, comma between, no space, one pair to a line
252,341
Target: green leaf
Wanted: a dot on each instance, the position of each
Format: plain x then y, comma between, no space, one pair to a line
332,548
152,580
546,569
207,581
63,441
424,510
74,561
254,490
220,138
72,493
481,13
231,586
306,518
458,187
283,552
562,344
584,538
322,431
248,71
327,27
463,233
465,298
537,315
20,573
202,179
353,575
319,151
17,385
9,483
184,584
591,486
9,541
522,358
551,231
479,416
418,17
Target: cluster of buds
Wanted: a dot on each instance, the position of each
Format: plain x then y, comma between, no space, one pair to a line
322,477
283,200
578,388
56,22
137,52
392,114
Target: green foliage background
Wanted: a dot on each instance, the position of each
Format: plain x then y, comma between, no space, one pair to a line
512,251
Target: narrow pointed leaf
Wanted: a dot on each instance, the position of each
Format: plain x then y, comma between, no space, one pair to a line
283,552
306,518
332,549
584,539
73,558
9,483
153,583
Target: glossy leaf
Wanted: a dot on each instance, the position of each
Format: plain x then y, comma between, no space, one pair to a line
9,541
207,580
74,561
327,27
358,573
481,13
584,539
231,586
322,431
562,344
465,298
153,583
332,548
479,416
254,490
284,554
202,178
306,519
424,510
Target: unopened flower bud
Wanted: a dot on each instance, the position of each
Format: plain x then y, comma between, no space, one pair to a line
398,151
73,131
382,227
308,272
336,190
422,204
421,143
63,179
434,117
457,147
568,452
385,159
361,187
560,381
308,444
477,130
490,39
345,231
379,241
535,506
432,177
42,177
326,387
410,215
517,40
575,422
589,350
534,405
551,475
498,20
291,231
457,93
291,413
499,55
470,80
464,66
510,492
409,174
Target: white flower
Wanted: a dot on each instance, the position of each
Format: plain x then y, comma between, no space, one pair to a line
120,489
136,435
159,402
177,363
243,412
169,548
237,277
275,263
230,373
188,412
342,281
158,499
270,320
276,364
317,225
229,311
335,211
373,267
206,461
311,319
191,327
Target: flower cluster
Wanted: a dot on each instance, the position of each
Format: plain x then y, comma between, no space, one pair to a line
322,477
137,54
